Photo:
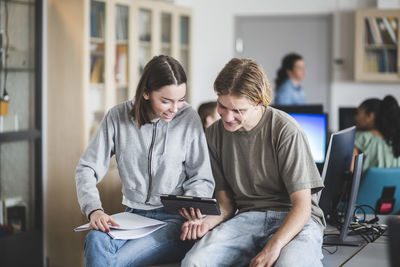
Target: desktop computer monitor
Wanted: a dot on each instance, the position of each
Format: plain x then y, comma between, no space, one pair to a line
336,168
343,238
346,117
315,128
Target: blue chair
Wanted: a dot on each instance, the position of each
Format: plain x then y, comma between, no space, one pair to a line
372,184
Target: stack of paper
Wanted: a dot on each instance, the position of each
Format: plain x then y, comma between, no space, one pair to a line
131,226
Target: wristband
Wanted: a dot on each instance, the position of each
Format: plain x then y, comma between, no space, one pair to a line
92,212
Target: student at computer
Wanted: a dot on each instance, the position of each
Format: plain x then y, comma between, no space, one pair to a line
160,148
378,132
263,167
208,113
287,83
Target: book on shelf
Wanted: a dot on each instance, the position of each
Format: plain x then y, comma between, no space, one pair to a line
394,24
391,31
97,19
375,31
382,61
122,23
369,38
131,226
97,69
121,64
381,31
384,32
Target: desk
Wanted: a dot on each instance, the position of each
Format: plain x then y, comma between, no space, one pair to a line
342,254
370,254
374,254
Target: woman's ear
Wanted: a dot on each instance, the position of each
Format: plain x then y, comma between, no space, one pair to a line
146,96
371,117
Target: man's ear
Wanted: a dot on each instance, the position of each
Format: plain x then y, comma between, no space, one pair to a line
146,96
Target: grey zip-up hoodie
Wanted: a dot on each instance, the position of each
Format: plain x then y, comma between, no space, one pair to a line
160,158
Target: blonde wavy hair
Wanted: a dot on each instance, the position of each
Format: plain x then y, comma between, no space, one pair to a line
244,77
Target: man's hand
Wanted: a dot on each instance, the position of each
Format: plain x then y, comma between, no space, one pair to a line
267,257
196,227
100,221
290,227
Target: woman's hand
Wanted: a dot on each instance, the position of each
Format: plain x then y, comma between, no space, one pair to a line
196,226
101,221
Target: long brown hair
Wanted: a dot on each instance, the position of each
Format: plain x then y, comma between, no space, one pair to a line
159,71
244,77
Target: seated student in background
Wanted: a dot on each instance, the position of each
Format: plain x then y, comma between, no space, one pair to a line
160,148
208,113
263,167
287,83
378,132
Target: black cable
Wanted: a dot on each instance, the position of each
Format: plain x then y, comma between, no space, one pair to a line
361,207
324,247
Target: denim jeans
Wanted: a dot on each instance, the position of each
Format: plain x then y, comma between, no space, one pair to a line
161,246
238,240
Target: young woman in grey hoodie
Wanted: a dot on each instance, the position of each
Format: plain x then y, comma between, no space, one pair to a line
160,148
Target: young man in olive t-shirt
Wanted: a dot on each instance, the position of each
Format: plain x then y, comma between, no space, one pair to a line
265,172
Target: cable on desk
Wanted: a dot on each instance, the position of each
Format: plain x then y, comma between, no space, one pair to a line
324,247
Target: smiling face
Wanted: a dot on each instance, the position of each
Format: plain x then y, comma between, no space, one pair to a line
166,101
238,112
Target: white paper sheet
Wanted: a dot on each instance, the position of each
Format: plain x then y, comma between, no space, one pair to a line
131,226
134,234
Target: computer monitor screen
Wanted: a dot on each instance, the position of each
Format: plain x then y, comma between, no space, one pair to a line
346,117
349,205
337,166
314,126
305,109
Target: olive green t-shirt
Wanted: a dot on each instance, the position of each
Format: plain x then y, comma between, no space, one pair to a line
263,166
377,152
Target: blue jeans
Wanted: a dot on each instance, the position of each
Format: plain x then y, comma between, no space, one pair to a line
238,240
161,246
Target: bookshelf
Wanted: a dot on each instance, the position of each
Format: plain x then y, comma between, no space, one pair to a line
123,36
21,155
377,46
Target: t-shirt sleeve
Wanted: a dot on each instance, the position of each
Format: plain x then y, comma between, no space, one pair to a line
211,136
361,141
296,164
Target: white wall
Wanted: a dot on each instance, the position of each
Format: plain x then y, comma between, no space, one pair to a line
213,44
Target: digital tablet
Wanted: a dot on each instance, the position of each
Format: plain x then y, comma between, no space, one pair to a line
207,206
